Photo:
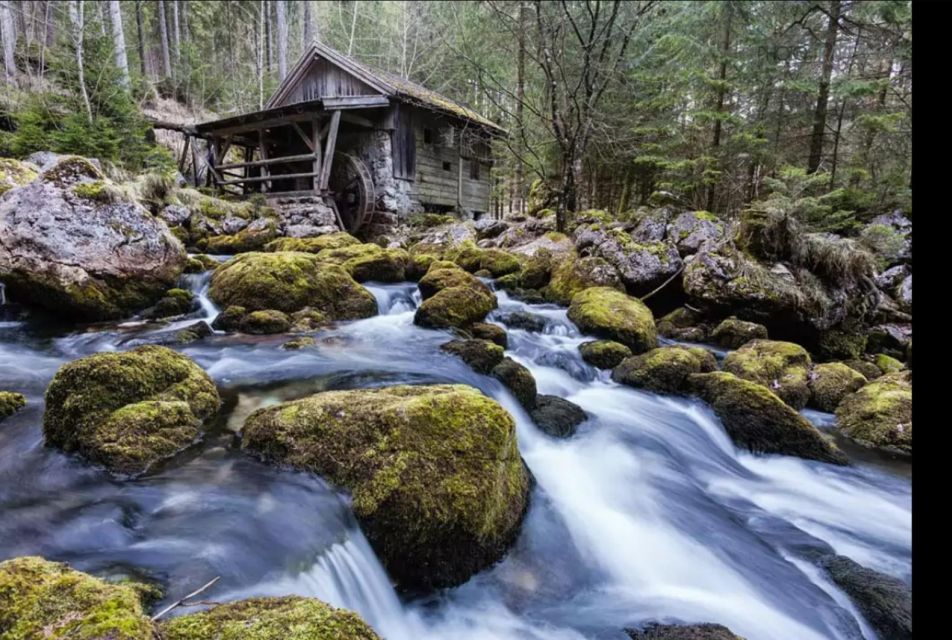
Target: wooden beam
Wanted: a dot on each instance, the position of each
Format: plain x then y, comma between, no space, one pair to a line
195,175
358,120
263,151
269,161
181,162
329,150
355,102
316,132
297,128
280,121
278,176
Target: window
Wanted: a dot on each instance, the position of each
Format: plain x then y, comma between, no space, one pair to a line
447,166
428,136
474,169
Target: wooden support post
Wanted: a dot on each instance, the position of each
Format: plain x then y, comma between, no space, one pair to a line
316,134
181,162
459,175
195,170
307,141
210,176
329,150
247,169
265,171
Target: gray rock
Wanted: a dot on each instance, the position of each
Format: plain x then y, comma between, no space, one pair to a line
889,279
308,230
489,228
904,294
885,602
693,229
523,320
233,224
556,416
175,214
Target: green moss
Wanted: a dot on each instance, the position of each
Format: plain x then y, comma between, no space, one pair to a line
467,255
493,333
43,599
434,470
265,321
758,420
289,281
481,355
455,307
880,414
734,333
230,318
429,220
604,354
573,275
613,315
366,262
97,191
840,344
869,370
69,170
14,173
830,383
317,244
440,277
664,370
706,215
295,344
286,618
128,410
887,364
418,264
10,403
247,239
781,366
498,262
307,319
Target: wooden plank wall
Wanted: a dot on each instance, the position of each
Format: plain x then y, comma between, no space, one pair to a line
324,80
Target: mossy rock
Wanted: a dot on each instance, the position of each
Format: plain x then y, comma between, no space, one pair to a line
483,273
499,263
781,366
265,321
879,415
307,319
733,333
481,355
664,370
418,264
285,618
452,298
434,471
200,263
128,410
43,599
193,266
467,255
289,281
14,173
885,601
296,344
604,354
574,275
316,244
756,419
613,315
365,262
230,318
251,238
510,282
830,383
869,370
175,302
837,344
887,364
439,278
557,416
493,333
10,403
429,220
706,631
519,380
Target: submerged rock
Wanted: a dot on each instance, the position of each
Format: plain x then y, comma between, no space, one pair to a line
664,370
285,618
519,380
434,471
830,383
128,410
733,333
758,420
879,415
73,243
604,354
557,416
884,601
481,355
523,320
43,599
613,315
290,281
706,631
783,367
10,403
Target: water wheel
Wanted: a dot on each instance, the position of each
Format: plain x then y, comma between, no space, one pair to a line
352,189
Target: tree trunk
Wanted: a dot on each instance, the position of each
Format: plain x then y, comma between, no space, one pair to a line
164,37
520,98
119,41
176,34
353,28
8,31
269,34
141,36
721,95
819,113
307,34
282,20
259,54
76,19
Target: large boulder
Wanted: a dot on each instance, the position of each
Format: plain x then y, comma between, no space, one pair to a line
128,410
481,355
290,281
784,367
733,333
664,370
613,315
72,242
830,383
519,380
573,275
758,420
604,354
252,236
879,415
693,229
884,601
452,298
43,599
642,265
369,262
284,618
434,471
315,244
557,416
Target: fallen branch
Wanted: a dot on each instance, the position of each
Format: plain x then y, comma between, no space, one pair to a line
181,602
663,284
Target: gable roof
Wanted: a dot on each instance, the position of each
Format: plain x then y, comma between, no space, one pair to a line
386,83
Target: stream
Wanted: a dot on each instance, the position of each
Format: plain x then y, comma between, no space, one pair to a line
649,513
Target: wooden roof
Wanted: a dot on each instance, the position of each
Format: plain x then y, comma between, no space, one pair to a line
386,83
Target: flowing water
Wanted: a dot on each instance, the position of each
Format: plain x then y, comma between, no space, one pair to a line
649,513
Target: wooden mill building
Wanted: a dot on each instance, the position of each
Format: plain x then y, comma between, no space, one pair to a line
365,142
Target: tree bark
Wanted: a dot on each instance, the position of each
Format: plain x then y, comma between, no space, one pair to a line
119,41
282,20
77,20
141,36
822,101
176,33
353,28
721,95
307,34
8,31
269,34
164,37
520,99
259,55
